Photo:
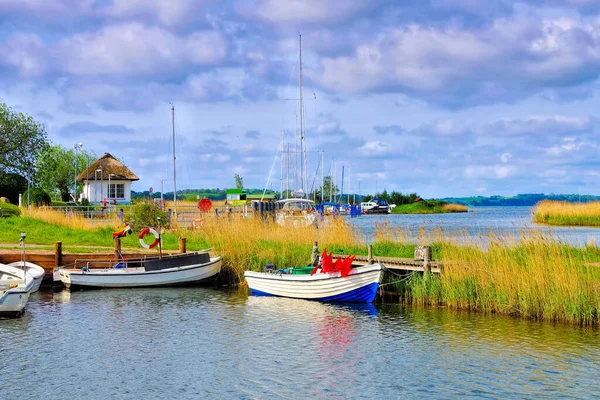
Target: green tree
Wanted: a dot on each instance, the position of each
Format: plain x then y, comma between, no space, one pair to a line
11,185
56,169
21,141
239,181
328,189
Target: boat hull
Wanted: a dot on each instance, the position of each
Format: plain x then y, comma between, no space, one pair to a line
359,286
139,277
36,271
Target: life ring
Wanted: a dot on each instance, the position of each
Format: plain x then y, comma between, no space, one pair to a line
156,238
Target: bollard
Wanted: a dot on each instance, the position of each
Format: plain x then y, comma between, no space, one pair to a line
58,254
182,245
370,254
117,246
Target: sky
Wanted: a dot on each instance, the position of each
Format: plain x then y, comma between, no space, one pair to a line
445,98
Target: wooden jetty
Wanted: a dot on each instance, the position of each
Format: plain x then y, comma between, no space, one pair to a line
421,262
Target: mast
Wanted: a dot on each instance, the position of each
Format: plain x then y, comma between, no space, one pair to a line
342,194
303,178
322,176
174,158
281,171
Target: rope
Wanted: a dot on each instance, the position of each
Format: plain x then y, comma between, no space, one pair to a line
403,278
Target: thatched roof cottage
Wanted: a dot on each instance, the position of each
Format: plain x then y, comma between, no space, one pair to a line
107,179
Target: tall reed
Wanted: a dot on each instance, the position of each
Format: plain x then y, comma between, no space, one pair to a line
564,213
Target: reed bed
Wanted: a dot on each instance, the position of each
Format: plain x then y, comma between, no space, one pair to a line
251,243
535,276
455,208
564,213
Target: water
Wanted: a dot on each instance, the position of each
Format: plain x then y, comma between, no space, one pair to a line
204,343
508,221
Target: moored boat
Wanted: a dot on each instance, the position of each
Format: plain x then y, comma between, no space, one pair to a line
359,284
295,212
15,287
36,272
164,270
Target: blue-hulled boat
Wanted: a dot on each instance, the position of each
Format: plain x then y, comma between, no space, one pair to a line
359,285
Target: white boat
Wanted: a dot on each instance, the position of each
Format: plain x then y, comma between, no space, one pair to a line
15,287
165,270
36,271
295,212
360,285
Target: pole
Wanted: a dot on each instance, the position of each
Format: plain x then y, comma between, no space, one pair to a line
322,176
159,239
23,235
161,193
95,186
342,194
174,158
281,172
75,175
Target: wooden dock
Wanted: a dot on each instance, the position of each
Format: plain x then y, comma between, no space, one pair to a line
421,262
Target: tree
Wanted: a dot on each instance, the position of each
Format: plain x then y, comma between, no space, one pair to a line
329,190
21,141
239,181
56,169
11,185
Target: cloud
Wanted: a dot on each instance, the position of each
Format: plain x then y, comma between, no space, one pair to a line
252,134
456,67
384,130
296,12
86,127
375,149
133,50
539,125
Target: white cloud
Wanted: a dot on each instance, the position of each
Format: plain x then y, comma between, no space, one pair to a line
505,157
375,148
133,49
284,12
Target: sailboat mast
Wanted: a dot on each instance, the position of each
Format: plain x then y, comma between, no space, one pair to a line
282,160
342,194
322,177
302,148
174,158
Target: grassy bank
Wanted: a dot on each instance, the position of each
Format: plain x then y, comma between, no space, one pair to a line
567,214
532,276
422,207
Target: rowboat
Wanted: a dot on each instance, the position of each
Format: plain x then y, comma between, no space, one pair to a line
163,270
359,284
15,287
36,272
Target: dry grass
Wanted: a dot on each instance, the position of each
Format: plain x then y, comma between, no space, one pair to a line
565,213
536,276
251,243
71,220
455,208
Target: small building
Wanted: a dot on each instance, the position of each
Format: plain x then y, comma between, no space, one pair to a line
107,180
235,197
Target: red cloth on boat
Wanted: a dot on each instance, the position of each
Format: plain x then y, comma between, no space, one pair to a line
347,265
327,264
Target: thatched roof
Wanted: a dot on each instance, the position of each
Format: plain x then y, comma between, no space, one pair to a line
109,165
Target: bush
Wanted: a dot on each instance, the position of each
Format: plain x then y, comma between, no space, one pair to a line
58,203
145,214
11,185
38,197
9,210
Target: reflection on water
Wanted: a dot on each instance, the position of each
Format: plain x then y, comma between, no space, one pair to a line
200,343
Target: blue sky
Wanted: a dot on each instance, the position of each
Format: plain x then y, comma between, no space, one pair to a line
439,97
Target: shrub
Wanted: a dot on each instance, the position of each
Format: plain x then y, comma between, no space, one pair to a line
37,197
58,203
145,214
9,210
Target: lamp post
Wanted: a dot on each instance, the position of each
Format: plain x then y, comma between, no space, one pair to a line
114,192
96,184
77,147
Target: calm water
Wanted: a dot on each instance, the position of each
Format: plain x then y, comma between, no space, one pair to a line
204,343
510,221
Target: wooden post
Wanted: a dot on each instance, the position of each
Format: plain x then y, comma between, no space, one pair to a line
370,254
58,254
117,245
182,246
426,258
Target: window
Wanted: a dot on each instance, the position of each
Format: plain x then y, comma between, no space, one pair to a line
116,191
